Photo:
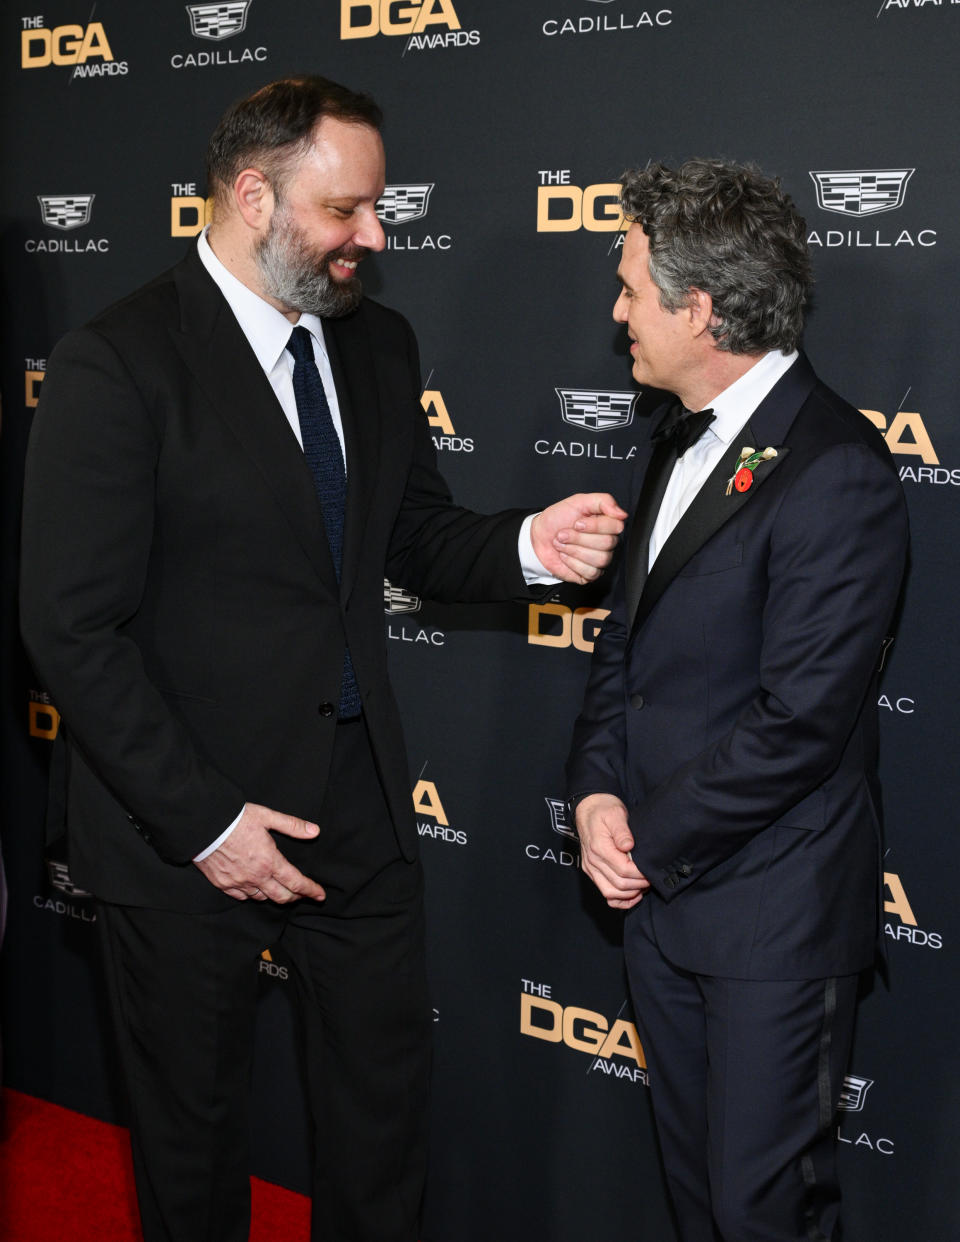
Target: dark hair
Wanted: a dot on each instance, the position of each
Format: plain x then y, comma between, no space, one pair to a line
272,128
734,233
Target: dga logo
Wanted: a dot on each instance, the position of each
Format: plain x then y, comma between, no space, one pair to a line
615,1046
43,719
416,19
560,822
862,193
65,211
898,904
607,22
906,435
404,204
190,212
36,369
555,625
396,599
438,416
564,208
69,46
596,410
399,204
426,803
218,21
853,1096
854,1093
267,966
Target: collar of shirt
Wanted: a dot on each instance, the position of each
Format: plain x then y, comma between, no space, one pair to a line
735,405
266,328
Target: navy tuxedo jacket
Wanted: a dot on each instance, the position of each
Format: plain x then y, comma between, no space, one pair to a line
178,595
732,697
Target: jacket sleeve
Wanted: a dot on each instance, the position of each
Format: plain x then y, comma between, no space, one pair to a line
88,533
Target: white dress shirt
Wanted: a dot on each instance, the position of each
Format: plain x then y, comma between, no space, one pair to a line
268,330
732,409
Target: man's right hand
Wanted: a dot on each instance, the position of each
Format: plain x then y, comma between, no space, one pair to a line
606,842
248,863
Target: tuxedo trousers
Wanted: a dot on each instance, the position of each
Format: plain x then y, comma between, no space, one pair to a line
745,1079
183,988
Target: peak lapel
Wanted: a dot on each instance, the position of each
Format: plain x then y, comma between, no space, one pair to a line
214,348
711,508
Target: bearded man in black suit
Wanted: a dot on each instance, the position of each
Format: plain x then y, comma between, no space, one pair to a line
723,769
222,470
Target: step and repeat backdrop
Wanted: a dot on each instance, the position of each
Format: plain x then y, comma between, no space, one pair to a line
508,125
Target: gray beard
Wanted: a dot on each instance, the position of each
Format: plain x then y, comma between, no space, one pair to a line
295,275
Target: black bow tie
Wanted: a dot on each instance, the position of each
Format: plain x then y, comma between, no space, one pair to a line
681,428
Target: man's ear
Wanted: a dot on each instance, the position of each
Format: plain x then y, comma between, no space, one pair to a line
699,309
253,199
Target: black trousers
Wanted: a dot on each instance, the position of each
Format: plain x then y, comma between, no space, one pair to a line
184,989
745,1077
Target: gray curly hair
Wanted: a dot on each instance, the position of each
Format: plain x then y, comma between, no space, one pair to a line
734,233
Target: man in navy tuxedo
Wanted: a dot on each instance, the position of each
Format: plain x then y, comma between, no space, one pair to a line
723,768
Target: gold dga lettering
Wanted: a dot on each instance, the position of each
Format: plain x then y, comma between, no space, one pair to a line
35,49
898,905
432,400
547,194
189,214
534,632
609,219
350,29
624,1041
919,445
437,13
426,801
593,1032
44,720
580,617
397,17
553,1033
33,381
95,43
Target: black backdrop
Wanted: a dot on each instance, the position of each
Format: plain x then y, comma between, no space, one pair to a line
506,126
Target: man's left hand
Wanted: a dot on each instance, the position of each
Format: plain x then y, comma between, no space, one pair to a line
575,538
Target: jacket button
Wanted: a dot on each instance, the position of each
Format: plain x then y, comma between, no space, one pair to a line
685,869
326,709
636,700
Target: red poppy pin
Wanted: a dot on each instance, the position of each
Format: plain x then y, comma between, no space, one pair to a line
750,458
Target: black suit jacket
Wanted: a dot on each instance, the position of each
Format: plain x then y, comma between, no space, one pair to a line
178,594
732,697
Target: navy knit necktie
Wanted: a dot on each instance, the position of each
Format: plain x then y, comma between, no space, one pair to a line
321,448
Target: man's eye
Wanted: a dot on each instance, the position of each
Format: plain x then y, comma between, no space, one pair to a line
343,211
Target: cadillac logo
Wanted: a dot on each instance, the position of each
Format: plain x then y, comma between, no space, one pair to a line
402,203
596,411
65,211
218,21
862,193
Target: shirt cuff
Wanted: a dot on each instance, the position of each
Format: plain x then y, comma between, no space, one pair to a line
535,573
222,837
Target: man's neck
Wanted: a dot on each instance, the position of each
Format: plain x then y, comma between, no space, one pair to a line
720,370
235,254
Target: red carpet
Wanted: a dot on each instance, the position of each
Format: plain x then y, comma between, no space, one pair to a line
68,1178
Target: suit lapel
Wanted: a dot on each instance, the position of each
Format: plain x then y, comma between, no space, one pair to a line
648,506
712,508
355,375
216,351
